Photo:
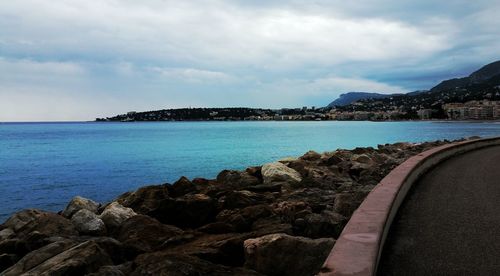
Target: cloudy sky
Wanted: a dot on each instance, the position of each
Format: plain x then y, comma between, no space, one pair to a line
81,59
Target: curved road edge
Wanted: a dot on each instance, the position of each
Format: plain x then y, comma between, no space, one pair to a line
358,249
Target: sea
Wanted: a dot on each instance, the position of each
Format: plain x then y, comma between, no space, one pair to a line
44,165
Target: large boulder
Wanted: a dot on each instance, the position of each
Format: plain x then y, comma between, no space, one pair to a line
28,221
78,203
115,214
37,257
181,187
145,234
236,179
281,254
81,259
145,199
88,223
278,172
188,211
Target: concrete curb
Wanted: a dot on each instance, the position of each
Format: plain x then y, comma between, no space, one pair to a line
357,250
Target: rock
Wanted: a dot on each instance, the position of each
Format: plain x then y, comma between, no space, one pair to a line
145,199
281,254
326,224
88,223
289,210
217,228
188,211
243,219
117,251
81,259
331,160
277,172
78,203
6,233
167,263
37,257
346,203
115,214
7,260
15,246
240,199
182,187
311,156
114,270
145,234
263,188
362,158
287,160
48,224
236,179
255,171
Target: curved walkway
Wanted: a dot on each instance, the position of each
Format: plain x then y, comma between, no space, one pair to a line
449,223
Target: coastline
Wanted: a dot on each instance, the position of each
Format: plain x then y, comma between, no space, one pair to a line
241,222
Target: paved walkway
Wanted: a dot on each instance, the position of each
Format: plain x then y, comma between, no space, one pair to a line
449,224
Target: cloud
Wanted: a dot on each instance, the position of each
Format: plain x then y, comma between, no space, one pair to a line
165,53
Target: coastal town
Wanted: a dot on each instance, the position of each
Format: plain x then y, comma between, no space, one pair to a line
471,110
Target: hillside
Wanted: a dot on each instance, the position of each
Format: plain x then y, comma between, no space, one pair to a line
483,84
350,97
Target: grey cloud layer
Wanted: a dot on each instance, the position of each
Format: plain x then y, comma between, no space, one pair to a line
263,53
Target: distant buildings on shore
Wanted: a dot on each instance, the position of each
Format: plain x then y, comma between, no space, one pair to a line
473,110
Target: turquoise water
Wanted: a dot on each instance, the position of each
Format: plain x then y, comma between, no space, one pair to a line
43,165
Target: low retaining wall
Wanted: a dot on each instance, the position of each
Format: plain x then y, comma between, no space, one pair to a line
358,249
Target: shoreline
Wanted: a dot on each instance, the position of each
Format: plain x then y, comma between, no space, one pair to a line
242,222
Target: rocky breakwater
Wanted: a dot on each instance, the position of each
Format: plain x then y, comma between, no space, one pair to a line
278,219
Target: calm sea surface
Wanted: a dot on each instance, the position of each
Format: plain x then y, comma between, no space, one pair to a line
43,165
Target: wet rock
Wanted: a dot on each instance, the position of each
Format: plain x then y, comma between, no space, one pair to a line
181,187
166,263
277,172
88,223
145,199
115,214
37,257
145,234
49,224
81,259
272,254
189,211
78,203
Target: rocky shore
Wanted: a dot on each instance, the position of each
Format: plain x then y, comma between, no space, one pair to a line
281,218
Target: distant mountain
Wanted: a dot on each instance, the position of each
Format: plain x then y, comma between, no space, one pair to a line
351,97
480,76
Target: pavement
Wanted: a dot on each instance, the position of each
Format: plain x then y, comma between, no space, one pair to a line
449,223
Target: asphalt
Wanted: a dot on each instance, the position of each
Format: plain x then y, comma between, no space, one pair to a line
449,224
